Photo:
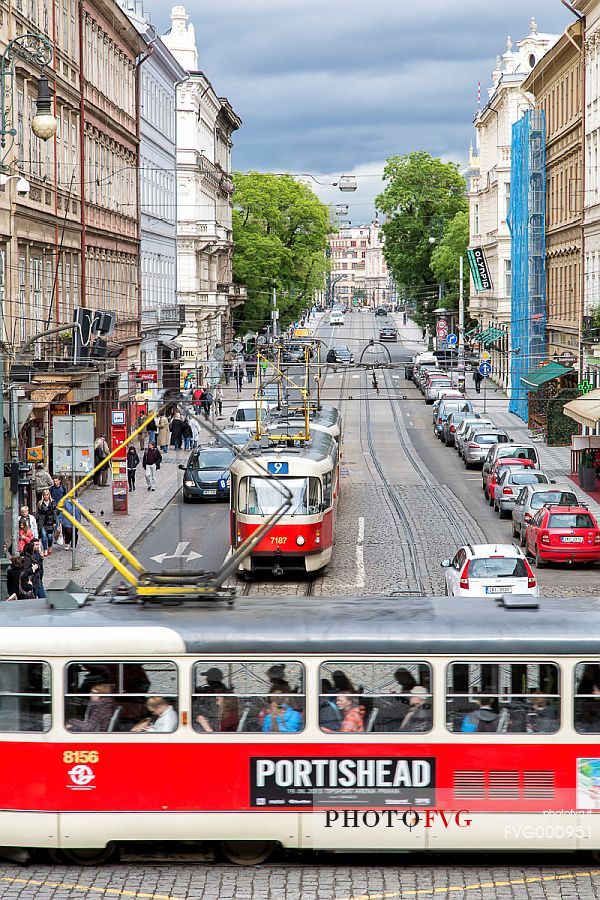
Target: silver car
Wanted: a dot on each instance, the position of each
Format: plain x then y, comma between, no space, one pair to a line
532,497
479,444
433,386
464,430
509,486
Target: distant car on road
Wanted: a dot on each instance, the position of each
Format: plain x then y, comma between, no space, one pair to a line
206,474
245,414
381,311
480,570
563,534
336,318
465,430
453,421
479,444
388,333
532,497
445,407
509,484
340,355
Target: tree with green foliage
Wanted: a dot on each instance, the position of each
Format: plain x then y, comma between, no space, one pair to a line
422,197
445,259
280,230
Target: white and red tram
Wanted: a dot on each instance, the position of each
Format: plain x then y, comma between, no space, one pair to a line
302,540
221,773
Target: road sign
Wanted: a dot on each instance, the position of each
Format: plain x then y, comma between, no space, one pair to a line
238,347
485,369
452,340
485,356
441,328
218,354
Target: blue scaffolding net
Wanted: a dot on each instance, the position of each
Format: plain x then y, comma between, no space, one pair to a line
527,223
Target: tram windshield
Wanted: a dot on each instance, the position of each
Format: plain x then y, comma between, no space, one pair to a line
264,496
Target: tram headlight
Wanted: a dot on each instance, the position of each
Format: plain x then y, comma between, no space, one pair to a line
300,540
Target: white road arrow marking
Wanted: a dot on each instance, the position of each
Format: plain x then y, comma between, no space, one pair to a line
179,554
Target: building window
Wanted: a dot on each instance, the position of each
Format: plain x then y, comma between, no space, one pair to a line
508,277
476,218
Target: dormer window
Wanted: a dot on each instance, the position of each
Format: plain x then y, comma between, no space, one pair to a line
532,60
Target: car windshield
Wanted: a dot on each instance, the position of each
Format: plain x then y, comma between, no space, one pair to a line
489,438
237,437
518,453
498,567
447,408
211,459
527,478
264,496
249,414
558,498
571,520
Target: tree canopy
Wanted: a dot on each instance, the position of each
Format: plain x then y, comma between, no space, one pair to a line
445,263
280,230
420,201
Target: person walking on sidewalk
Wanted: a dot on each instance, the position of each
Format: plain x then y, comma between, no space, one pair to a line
151,430
477,379
239,376
133,462
176,427
187,434
219,401
142,435
151,464
101,451
163,433
251,367
207,402
58,490
42,480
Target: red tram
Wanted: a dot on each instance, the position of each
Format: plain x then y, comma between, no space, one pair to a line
387,724
302,540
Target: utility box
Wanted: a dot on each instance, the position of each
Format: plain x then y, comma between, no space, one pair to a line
73,444
119,497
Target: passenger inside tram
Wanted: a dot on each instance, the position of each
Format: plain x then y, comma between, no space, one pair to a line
280,716
162,720
587,701
99,712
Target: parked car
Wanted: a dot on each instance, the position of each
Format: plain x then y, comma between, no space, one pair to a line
447,359
492,477
340,355
532,497
464,430
508,487
206,474
433,386
237,437
336,318
453,421
423,363
245,414
477,447
563,534
479,570
409,369
444,407
515,451
388,333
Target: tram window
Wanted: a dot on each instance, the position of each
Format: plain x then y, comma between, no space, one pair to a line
25,703
375,697
513,698
121,697
327,489
257,697
587,698
264,496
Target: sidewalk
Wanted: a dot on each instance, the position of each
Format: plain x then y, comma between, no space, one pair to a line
144,507
555,461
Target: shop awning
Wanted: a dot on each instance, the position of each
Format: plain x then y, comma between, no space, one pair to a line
491,334
585,410
541,376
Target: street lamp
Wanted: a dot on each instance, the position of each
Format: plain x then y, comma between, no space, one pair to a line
37,51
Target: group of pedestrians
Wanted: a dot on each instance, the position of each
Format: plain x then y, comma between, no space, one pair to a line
38,533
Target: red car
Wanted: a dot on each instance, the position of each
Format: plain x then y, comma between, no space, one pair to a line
490,479
563,534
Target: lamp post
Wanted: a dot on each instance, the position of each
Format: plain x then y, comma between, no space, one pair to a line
38,51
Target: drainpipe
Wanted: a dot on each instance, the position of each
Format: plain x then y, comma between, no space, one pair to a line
82,168
138,122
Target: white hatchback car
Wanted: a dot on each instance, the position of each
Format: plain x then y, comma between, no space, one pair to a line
483,570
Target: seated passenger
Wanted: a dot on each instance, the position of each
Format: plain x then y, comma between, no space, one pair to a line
544,718
418,717
330,717
279,682
165,721
214,682
587,711
99,712
216,714
483,719
406,681
353,718
280,717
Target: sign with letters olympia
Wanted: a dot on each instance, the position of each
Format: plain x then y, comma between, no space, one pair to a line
479,269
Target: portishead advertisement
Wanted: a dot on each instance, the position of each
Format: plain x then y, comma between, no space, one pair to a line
344,781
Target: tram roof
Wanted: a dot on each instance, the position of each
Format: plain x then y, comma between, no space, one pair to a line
403,626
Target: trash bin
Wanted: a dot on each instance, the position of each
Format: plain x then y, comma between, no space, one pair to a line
119,497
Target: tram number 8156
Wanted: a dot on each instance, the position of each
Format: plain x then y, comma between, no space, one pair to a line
81,756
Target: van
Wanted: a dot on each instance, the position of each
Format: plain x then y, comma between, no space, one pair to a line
336,318
245,414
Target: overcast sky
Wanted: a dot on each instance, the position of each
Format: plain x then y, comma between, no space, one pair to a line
336,86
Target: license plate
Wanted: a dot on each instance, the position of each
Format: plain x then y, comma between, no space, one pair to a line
210,493
572,540
499,589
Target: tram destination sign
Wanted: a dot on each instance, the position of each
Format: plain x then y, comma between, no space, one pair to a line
342,781
479,269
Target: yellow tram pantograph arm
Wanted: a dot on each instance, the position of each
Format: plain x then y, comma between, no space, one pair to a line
118,546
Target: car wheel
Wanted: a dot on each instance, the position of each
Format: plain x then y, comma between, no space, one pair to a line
502,513
539,562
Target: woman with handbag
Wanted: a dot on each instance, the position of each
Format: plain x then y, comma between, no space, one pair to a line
46,519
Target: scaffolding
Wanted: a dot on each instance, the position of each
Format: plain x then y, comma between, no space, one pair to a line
527,223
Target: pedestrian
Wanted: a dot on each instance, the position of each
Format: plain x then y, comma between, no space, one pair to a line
25,534
133,462
227,373
42,480
176,428
207,402
196,431
219,401
142,435
163,433
197,399
70,533
151,430
17,581
46,521
477,379
58,490
187,434
31,519
34,568
251,368
239,376
151,464
101,451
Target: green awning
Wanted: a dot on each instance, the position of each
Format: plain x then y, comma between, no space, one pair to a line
541,376
472,331
491,335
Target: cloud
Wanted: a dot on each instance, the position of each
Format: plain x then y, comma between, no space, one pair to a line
340,85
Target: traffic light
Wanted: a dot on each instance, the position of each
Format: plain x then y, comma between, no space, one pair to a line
82,333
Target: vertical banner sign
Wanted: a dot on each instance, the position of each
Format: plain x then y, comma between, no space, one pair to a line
479,269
